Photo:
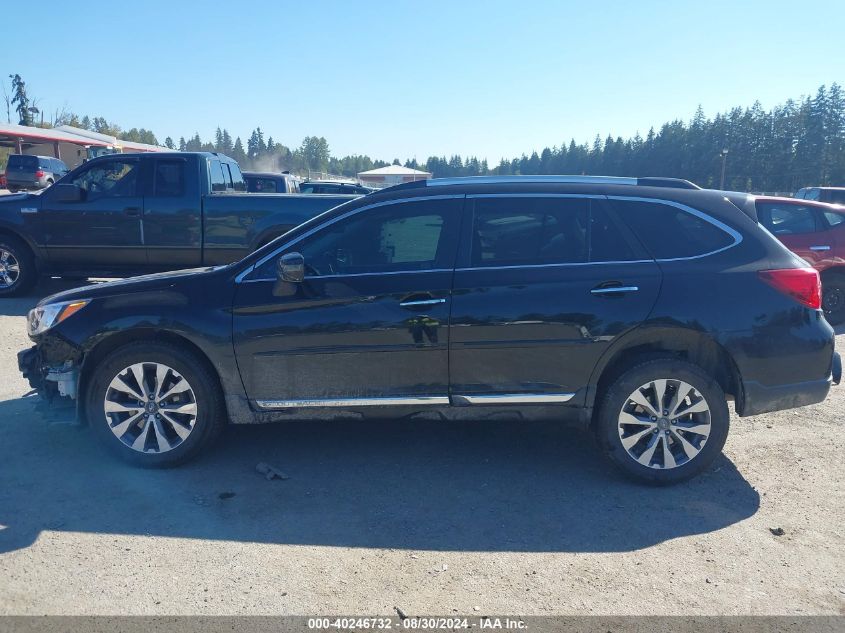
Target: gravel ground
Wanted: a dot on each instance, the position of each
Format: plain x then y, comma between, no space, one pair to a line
496,517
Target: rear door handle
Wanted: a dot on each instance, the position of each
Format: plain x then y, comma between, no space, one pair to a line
820,248
610,290
421,302
132,211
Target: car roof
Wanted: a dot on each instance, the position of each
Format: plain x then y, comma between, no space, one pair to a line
266,174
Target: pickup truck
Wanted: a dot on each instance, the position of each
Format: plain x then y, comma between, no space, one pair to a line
126,214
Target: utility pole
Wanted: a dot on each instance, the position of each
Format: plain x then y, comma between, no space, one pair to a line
724,161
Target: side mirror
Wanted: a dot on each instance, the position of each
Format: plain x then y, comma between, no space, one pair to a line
66,193
291,267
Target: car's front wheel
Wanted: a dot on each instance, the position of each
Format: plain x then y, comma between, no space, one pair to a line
155,404
663,421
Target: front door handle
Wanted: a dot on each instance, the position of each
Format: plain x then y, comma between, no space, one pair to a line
613,290
421,302
820,248
132,211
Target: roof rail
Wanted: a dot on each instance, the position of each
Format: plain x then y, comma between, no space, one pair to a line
677,183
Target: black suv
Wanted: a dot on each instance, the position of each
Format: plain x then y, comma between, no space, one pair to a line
634,307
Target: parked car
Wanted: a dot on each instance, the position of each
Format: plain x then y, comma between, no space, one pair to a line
270,182
33,172
814,231
126,214
635,308
333,186
835,195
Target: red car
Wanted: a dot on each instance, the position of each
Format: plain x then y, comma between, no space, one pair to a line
815,231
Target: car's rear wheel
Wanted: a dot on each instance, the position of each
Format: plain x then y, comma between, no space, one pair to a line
17,267
663,421
833,298
155,404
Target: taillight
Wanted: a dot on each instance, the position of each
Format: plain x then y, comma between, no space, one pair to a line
39,174
802,284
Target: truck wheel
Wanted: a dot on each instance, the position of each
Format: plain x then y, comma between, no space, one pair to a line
155,404
833,299
17,267
663,421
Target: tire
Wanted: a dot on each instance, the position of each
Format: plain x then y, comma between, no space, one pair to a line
625,439
13,189
18,273
833,298
189,420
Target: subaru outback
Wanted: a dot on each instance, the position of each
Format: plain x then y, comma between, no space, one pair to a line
635,308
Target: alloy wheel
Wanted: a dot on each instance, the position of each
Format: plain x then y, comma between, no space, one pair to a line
150,407
10,269
664,424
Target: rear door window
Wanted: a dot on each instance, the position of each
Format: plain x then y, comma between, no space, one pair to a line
237,178
787,218
218,179
529,231
169,179
669,232
834,218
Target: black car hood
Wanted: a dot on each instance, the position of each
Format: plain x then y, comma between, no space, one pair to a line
143,283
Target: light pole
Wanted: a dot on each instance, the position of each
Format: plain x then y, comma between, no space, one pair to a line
724,161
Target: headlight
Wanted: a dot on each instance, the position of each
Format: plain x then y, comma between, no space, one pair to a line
44,317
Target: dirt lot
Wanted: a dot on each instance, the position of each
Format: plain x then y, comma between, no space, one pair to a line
497,517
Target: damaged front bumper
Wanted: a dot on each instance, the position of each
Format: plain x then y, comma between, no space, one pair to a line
49,380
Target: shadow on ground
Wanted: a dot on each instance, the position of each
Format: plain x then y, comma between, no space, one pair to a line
416,484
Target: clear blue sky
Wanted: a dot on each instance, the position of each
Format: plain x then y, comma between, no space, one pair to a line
401,79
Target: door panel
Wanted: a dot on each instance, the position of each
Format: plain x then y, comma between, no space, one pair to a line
173,216
541,330
371,318
344,337
531,313
102,231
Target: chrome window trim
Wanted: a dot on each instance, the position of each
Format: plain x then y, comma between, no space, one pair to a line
735,235
563,265
390,272
343,216
352,402
494,180
515,398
